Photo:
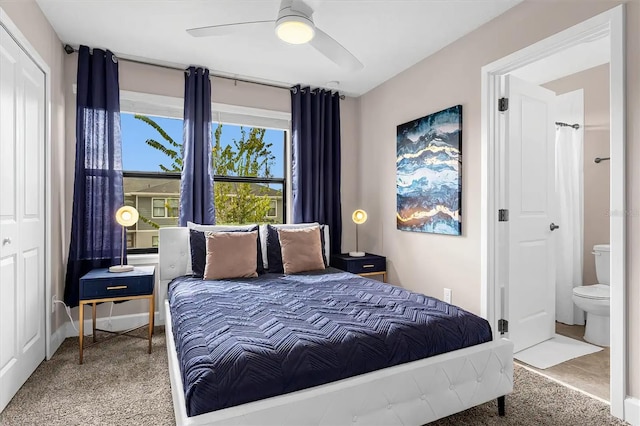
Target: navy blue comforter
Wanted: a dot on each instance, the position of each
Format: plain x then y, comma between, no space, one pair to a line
243,340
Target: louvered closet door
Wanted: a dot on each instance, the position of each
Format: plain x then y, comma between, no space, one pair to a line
22,217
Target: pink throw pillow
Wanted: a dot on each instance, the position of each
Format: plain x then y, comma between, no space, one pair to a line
301,249
231,255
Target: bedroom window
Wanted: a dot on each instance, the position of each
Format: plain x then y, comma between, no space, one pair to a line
248,147
249,168
151,175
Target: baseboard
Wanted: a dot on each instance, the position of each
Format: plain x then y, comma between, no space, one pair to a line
632,411
118,323
56,339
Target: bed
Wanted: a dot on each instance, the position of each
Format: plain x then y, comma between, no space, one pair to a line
425,378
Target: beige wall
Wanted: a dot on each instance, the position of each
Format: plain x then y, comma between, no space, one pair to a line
28,17
595,82
428,263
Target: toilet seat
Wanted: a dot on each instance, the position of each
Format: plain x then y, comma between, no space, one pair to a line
596,291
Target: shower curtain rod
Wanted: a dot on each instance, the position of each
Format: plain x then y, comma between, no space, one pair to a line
561,124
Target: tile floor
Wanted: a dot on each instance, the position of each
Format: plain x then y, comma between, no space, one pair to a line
589,373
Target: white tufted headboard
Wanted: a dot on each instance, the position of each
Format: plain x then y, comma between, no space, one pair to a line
173,252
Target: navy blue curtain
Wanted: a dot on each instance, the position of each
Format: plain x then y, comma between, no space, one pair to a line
97,191
196,184
315,125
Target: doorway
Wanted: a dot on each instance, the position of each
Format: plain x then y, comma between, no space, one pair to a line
573,351
495,277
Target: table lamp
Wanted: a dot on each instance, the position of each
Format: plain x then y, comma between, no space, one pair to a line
125,216
359,217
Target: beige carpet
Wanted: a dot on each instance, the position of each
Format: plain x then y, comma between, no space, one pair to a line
120,384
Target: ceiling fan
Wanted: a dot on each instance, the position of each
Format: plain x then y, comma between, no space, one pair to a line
293,25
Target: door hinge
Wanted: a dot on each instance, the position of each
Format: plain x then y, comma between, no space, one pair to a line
503,104
503,215
503,326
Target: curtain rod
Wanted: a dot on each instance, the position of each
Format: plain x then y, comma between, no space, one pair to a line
70,49
294,90
561,124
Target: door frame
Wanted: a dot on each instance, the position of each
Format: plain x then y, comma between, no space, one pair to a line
609,23
27,47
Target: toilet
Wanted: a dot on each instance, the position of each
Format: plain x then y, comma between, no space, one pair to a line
594,299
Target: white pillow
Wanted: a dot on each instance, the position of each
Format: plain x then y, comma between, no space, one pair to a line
211,228
263,237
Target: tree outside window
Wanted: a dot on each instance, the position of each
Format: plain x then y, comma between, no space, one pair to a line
249,182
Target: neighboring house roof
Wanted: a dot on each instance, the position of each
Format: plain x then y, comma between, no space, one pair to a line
260,189
157,186
151,185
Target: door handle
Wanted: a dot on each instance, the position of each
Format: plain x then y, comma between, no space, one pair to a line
6,241
553,226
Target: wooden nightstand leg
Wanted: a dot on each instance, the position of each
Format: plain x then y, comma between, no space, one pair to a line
151,313
93,313
81,327
384,277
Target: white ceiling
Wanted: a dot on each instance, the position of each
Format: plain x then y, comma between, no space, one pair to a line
387,36
567,62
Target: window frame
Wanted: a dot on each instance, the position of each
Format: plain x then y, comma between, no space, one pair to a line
172,107
275,207
166,209
130,235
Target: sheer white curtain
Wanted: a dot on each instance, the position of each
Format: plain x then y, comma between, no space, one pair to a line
570,238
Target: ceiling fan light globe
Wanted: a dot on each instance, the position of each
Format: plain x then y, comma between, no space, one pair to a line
295,29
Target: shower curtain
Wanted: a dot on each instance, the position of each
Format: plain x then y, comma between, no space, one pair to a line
570,238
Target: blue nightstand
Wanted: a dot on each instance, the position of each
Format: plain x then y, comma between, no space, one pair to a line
100,286
366,266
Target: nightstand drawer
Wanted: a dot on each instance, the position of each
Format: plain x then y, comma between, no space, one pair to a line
116,287
360,265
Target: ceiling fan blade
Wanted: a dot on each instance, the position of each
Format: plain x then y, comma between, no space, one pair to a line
224,29
333,50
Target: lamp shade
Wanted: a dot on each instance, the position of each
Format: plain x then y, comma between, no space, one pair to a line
359,217
127,216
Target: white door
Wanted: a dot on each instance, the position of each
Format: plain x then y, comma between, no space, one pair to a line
22,255
530,139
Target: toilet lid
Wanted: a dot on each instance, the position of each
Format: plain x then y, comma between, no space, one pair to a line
596,291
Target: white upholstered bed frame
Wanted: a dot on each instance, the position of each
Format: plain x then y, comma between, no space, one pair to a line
414,393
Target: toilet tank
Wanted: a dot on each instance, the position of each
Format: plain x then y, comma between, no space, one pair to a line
603,262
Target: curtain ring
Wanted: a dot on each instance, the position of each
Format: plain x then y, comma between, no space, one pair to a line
114,59
294,90
188,72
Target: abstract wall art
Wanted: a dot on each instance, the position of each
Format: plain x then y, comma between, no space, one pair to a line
429,173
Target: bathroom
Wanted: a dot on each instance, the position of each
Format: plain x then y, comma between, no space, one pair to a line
591,237
580,357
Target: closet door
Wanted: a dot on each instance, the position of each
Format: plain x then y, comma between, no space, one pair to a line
22,217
